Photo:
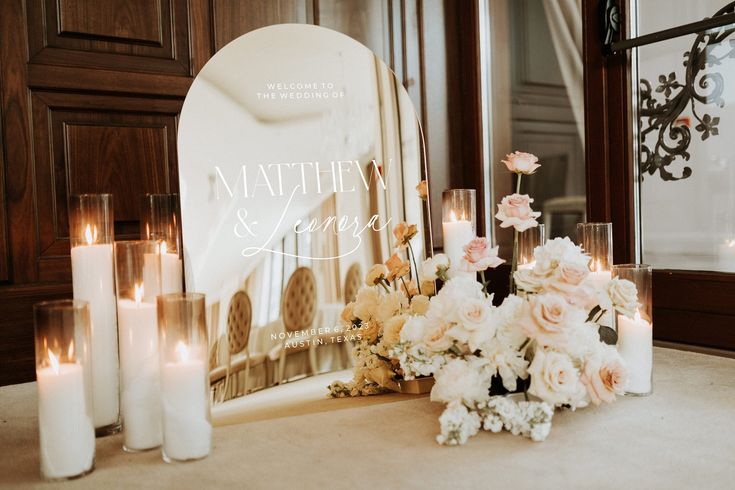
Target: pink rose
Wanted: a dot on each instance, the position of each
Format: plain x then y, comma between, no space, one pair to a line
515,210
521,163
604,377
479,255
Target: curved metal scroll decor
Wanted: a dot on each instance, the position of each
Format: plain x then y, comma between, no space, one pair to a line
697,89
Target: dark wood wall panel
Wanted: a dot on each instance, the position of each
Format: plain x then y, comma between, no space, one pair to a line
139,35
87,144
233,18
136,20
90,93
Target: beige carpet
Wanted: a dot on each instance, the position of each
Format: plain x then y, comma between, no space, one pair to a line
683,436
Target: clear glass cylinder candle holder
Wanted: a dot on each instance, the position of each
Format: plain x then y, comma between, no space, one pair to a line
635,334
459,226
596,241
64,379
159,220
91,233
138,276
528,240
182,334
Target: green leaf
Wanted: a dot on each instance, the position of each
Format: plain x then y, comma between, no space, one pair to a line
608,335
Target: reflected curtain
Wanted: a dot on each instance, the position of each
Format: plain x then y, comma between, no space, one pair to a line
324,244
565,24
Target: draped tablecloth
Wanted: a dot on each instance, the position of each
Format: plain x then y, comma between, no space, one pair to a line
683,436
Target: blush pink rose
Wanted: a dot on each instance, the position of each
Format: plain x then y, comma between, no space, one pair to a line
521,163
604,376
547,319
515,210
479,255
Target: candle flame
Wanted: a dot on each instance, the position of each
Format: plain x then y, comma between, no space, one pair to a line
162,248
730,243
90,235
70,352
139,290
452,216
182,351
596,266
54,362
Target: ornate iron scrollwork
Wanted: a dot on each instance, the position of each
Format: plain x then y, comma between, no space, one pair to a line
696,90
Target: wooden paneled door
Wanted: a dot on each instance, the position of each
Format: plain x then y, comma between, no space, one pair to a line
90,93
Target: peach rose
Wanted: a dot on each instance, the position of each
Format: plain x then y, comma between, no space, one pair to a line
547,319
521,163
436,338
403,233
604,377
568,280
397,267
423,189
515,210
479,255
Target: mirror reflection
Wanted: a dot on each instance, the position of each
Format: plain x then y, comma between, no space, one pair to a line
299,152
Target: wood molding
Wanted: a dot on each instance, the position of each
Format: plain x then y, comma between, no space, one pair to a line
463,53
608,133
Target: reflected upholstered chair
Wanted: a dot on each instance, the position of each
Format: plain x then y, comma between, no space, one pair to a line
239,358
353,282
298,309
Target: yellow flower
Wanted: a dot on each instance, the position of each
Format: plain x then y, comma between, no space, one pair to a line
397,267
403,233
423,189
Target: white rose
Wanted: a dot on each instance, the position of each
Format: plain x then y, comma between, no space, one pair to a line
436,338
434,267
554,379
623,295
459,381
554,252
528,281
474,313
413,330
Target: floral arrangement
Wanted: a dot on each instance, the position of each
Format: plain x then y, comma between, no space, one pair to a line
543,343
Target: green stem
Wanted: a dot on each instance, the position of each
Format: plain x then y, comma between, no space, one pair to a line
484,282
408,293
383,283
514,262
412,258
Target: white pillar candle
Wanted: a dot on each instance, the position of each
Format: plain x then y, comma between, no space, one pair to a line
457,234
187,432
65,425
171,273
635,345
139,370
93,281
